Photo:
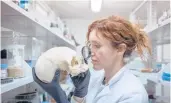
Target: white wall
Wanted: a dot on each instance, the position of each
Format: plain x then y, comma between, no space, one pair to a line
79,28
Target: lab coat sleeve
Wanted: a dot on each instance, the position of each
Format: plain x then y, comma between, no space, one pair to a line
134,98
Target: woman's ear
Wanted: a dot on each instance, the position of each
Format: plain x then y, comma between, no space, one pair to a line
121,48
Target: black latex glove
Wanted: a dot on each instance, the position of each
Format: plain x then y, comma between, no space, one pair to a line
81,83
54,89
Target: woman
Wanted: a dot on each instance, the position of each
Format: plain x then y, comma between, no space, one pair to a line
111,41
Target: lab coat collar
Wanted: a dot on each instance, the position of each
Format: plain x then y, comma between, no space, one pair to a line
117,76
105,91
107,87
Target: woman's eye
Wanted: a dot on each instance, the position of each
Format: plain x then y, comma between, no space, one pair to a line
96,46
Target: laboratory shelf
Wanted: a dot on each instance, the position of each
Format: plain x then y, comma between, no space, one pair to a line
15,18
164,24
26,80
161,34
16,83
165,83
145,76
154,77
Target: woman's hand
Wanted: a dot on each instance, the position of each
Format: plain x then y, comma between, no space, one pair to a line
53,88
81,82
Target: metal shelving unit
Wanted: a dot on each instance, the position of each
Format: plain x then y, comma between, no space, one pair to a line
16,19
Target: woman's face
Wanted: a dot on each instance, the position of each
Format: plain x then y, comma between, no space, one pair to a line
103,54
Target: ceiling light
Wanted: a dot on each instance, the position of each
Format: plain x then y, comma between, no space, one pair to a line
96,5
34,38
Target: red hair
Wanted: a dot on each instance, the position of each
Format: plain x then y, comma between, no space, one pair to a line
118,30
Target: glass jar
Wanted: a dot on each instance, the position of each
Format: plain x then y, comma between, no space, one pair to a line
15,61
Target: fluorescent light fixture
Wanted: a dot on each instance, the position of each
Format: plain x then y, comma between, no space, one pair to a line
96,5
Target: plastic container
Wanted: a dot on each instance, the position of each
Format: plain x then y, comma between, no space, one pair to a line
4,73
24,4
15,63
166,76
15,72
164,73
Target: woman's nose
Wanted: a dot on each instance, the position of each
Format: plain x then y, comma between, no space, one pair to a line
92,53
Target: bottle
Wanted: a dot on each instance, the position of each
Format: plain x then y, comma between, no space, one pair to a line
24,4
4,73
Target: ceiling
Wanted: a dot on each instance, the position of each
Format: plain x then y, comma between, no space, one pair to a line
80,9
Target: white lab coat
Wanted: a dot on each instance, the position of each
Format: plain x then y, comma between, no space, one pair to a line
124,87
